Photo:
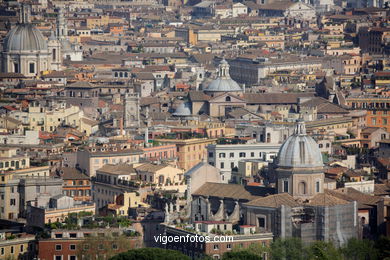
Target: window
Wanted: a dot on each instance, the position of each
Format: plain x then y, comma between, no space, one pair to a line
58,257
12,202
16,68
115,246
302,187
231,155
72,257
216,247
53,54
228,99
373,120
252,154
32,67
242,155
2,251
317,186
232,165
384,121
21,248
211,155
229,246
100,247
222,165
12,249
58,247
222,155
72,247
285,186
261,221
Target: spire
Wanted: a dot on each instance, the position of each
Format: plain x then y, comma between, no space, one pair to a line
300,127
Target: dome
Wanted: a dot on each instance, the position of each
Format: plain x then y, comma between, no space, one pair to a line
183,110
25,37
223,83
299,150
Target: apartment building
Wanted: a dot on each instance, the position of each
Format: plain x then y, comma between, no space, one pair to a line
93,158
227,156
76,184
20,246
96,243
189,151
11,159
21,186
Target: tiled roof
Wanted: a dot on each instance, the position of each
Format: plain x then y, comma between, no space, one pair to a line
149,167
382,189
350,194
119,169
275,98
325,199
70,173
274,201
234,191
198,96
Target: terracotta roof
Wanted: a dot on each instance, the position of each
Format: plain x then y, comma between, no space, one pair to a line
81,84
384,162
149,167
275,98
274,201
198,96
350,194
325,199
324,106
224,190
148,101
370,130
382,189
70,173
119,169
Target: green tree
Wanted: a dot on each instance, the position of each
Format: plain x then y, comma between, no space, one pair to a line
151,254
288,249
323,251
383,247
240,255
356,249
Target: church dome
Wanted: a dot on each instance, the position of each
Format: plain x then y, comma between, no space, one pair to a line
25,37
299,150
223,83
183,110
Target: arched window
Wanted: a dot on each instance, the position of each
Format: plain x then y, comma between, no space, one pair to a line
228,99
116,74
53,54
302,187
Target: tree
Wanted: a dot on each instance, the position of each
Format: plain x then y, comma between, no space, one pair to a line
288,249
356,249
240,255
151,254
383,247
254,251
323,251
